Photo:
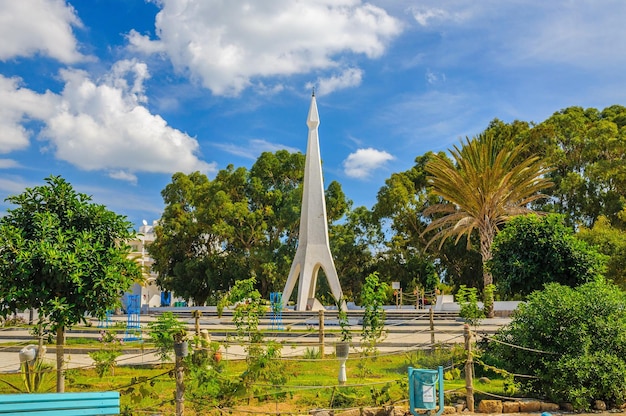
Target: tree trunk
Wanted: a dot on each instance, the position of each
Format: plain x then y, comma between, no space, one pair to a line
486,239
60,361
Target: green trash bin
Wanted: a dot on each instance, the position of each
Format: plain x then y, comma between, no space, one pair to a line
424,388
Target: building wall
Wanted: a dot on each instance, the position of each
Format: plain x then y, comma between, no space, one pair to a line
149,293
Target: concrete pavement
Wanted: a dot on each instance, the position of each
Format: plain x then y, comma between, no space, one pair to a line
298,336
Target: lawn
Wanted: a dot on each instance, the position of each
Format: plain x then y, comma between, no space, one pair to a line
311,382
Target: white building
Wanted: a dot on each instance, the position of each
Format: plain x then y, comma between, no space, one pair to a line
149,293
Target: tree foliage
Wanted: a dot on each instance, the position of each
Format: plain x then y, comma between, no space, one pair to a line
242,224
611,242
373,297
403,256
532,251
572,341
64,256
586,149
486,185
353,242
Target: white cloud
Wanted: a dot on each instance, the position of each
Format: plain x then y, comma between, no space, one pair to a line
38,26
254,148
433,77
98,125
8,163
102,125
350,77
13,185
123,176
579,33
425,16
361,163
227,46
17,105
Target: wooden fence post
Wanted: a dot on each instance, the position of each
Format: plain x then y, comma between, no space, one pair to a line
321,336
180,386
469,369
197,314
432,328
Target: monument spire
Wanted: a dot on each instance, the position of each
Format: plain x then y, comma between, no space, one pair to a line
313,250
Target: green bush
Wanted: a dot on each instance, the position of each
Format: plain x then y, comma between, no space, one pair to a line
534,250
573,341
162,332
467,298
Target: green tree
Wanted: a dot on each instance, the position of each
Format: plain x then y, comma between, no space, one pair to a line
242,224
352,242
572,341
398,208
586,148
185,249
484,187
534,250
611,242
65,257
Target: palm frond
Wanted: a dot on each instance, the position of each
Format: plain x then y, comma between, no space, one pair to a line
483,186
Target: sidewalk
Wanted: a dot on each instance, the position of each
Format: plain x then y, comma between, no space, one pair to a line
402,336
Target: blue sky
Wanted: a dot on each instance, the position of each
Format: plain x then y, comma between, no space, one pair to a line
117,95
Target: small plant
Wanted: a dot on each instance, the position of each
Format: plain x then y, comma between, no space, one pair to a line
452,374
33,371
380,396
263,360
467,298
343,321
373,298
105,358
14,321
247,312
164,332
343,397
311,354
179,335
509,386
488,300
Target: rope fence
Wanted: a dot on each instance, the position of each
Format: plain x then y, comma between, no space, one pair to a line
307,341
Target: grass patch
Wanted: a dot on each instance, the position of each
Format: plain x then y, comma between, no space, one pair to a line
312,383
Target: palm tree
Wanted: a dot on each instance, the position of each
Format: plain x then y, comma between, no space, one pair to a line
487,184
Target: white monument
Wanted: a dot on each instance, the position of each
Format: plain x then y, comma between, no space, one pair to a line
313,250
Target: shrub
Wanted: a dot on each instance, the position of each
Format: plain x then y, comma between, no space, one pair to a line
372,298
162,332
573,340
105,358
534,250
467,298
